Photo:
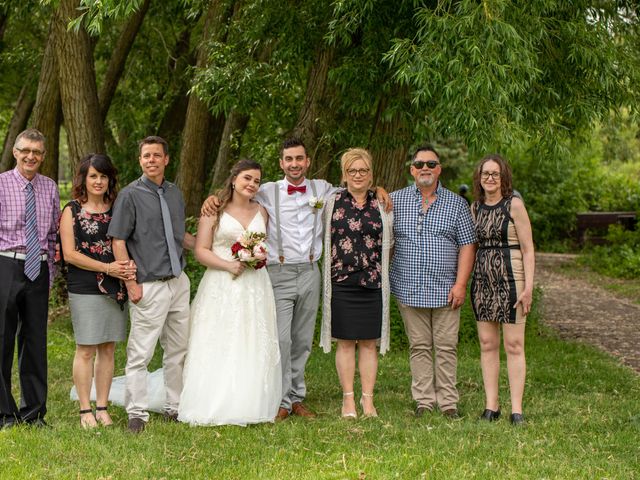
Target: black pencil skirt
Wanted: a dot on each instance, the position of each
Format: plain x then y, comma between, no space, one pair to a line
356,312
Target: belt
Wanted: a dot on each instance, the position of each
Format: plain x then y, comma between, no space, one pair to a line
499,247
22,256
165,279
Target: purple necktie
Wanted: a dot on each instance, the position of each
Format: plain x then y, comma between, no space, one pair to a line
32,258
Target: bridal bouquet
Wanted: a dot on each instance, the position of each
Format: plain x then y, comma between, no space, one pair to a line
251,249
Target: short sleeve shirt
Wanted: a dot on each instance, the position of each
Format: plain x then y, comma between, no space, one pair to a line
425,262
137,218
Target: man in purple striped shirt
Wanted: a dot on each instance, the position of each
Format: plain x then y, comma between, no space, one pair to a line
24,292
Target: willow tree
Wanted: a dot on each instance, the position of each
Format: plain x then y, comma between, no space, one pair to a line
496,73
191,177
20,57
78,88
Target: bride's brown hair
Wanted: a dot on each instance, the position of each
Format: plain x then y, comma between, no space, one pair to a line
225,194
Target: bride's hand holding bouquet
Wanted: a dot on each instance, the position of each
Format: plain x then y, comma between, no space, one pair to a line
250,250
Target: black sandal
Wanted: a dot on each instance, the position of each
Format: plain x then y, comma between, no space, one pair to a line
99,419
84,424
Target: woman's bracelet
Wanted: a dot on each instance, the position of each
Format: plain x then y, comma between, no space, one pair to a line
108,268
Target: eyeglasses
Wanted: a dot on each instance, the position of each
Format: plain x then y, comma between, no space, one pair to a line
419,164
493,175
352,172
27,151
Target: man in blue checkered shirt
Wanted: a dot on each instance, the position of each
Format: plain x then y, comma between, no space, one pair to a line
434,255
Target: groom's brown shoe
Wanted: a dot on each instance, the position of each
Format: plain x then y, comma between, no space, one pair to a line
283,413
299,409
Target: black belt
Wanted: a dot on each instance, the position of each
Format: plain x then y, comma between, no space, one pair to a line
166,279
499,247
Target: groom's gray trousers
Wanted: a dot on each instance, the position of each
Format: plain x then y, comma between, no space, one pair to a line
296,288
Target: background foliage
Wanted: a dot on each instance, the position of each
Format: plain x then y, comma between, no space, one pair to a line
552,85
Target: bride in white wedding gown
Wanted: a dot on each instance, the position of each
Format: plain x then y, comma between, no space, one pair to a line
232,373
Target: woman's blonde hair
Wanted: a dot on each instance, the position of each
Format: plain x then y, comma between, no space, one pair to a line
353,155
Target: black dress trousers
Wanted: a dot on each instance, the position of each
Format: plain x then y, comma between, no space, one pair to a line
23,314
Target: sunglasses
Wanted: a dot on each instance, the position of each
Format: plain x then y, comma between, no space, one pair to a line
419,164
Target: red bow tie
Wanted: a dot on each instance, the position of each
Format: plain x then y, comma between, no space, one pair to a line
292,188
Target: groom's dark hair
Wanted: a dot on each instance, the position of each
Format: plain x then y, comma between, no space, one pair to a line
292,142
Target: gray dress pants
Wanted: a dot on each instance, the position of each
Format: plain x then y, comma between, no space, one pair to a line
296,288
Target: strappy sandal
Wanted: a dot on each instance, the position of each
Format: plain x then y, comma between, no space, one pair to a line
347,414
87,421
364,413
105,422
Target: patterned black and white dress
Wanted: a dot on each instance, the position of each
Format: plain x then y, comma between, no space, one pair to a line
498,276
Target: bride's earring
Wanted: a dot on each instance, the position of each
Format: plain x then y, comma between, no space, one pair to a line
233,186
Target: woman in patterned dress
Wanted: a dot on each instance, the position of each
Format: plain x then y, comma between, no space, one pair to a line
97,296
357,244
502,286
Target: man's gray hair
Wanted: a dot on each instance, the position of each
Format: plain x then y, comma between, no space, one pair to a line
30,134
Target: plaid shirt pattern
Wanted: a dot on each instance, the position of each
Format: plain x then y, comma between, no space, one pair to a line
12,211
425,262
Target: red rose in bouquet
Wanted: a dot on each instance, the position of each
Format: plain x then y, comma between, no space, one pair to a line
251,249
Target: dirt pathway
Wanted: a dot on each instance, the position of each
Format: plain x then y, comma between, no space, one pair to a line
578,310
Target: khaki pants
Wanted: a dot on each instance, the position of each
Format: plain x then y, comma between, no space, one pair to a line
161,314
432,332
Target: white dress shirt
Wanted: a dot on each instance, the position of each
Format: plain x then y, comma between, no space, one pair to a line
296,220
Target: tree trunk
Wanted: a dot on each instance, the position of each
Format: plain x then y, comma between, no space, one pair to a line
229,149
173,99
323,164
78,89
214,141
4,16
24,105
47,113
389,145
307,126
193,154
119,58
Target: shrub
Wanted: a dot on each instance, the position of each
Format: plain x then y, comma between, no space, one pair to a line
620,258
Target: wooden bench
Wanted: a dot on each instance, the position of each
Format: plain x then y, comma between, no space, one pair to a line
598,223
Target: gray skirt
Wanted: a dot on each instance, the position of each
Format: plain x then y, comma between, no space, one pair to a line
97,319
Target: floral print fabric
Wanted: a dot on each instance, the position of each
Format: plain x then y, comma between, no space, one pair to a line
90,232
356,239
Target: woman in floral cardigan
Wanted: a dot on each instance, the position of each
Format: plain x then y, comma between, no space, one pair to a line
357,245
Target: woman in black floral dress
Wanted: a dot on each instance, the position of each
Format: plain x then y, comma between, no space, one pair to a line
97,297
356,280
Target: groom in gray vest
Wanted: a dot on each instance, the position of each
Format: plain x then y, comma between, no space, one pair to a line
294,243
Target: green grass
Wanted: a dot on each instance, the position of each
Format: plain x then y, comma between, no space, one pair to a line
582,410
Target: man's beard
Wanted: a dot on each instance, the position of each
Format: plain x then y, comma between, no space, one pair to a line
426,182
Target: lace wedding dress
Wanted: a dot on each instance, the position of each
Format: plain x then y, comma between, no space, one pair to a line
232,373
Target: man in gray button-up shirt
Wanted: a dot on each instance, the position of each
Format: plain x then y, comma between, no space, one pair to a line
159,306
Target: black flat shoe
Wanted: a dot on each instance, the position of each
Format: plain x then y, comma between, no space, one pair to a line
490,415
517,419
37,423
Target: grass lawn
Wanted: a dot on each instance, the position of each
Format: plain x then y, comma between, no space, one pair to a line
582,410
